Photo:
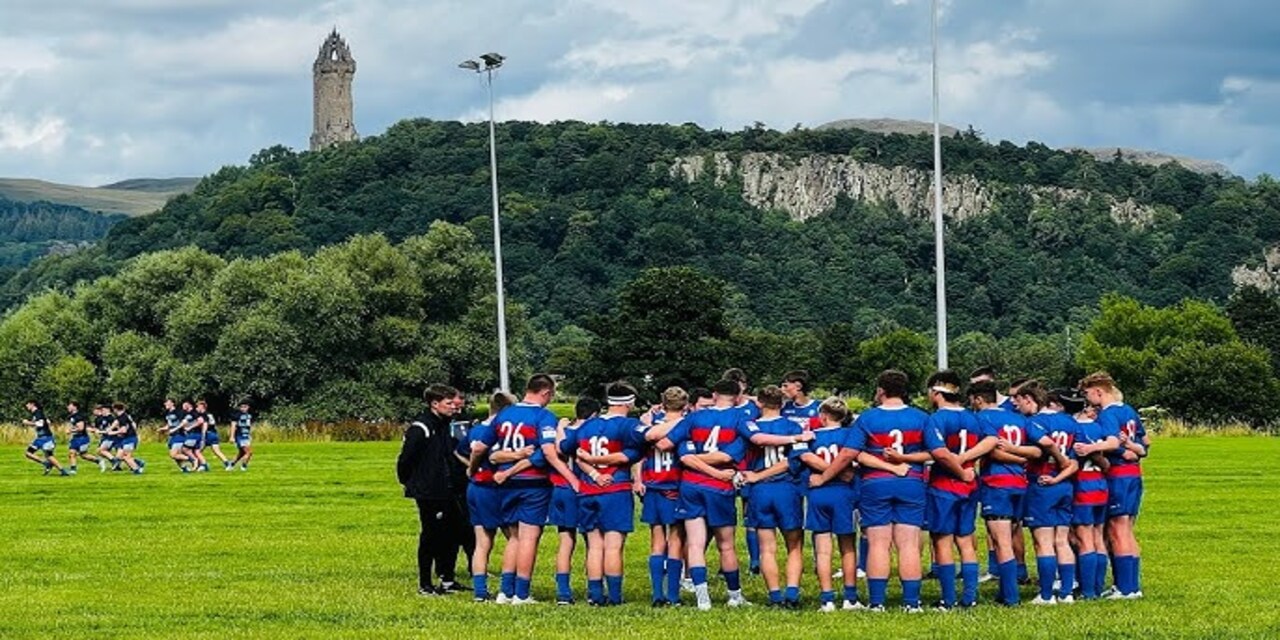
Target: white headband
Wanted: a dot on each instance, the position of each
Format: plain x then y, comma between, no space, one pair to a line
618,401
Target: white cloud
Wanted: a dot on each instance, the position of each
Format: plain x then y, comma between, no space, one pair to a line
44,135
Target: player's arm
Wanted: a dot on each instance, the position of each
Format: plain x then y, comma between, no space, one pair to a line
523,464
1059,456
693,461
984,446
920,457
843,460
610,460
414,443
1064,473
479,451
950,461
778,468
769,440
715,458
507,456
871,461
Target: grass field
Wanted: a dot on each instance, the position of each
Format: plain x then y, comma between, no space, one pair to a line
315,541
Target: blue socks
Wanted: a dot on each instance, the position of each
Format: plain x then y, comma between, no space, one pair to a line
523,586
993,566
732,580
827,596
775,597
969,576
1125,569
753,550
911,593
480,585
1008,582
851,593
595,591
793,594
1023,576
1046,570
615,588
563,592
862,554
675,571
876,588
1088,583
657,567
698,575
1067,576
947,582
508,584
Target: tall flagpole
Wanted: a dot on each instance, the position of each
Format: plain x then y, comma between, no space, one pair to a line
938,252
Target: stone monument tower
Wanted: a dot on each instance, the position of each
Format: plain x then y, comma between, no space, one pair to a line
332,73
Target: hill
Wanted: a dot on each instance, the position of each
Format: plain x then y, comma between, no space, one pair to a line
130,197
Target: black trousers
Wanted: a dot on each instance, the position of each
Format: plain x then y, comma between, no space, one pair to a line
439,540
466,532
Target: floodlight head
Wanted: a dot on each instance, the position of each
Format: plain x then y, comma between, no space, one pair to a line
469,65
493,60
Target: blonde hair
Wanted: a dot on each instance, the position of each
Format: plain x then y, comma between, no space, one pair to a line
1099,379
675,399
835,408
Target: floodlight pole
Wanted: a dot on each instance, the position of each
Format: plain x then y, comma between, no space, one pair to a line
938,252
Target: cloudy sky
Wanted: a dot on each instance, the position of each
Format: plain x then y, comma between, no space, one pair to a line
93,91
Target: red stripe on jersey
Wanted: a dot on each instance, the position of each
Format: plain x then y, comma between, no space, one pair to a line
887,441
944,482
660,469
1124,471
704,480
1005,481
482,476
1089,475
1091,498
558,480
876,474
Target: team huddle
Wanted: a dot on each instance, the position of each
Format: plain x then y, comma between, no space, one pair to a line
190,430
1064,464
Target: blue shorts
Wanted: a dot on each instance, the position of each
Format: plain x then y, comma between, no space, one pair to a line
79,444
563,511
484,505
525,505
243,441
951,515
607,512
748,518
191,442
718,508
892,501
177,442
1049,506
830,510
658,508
211,439
1001,504
778,505
43,443
1089,515
128,443
1124,496
107,443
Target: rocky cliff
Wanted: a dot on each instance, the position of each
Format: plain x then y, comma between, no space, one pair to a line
1264,277
808,186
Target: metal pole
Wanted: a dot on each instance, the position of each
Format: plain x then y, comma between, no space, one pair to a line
938,252
503,376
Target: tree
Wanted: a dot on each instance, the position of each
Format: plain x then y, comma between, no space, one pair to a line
1218,383
901,349
1256,316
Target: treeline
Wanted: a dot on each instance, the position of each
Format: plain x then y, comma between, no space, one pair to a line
353,331
29,230
587,207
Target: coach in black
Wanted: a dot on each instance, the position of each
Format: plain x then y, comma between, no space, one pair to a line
424,470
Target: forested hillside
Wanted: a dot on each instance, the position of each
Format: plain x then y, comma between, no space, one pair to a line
29,230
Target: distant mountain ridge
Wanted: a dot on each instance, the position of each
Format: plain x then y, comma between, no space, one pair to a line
134,197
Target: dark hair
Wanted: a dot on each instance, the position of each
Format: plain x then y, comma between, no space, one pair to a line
1034,390
735,374
726,387
984,389
698,393
799,375
770,397
35,404
983,372
1018,382
540,382
438,392
946,378
585,408
119,406
75,404
1069,399
893,383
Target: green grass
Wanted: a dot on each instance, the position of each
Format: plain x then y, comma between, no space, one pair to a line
316,541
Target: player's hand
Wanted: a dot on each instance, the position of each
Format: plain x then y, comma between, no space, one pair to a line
815,480
723,474
604,479
1047,481
750,477
1082,449
526,452
968,476
1129,456
500,477
575,484
901,470
638,488
805,436
1004,445
892,455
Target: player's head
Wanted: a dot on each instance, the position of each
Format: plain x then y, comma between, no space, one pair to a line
540,389
1030,397
701,397
982,394
795,383
243,406
891,383
620,395
1099,388
726,391
1016,385
168,404
737,375
983,374
944,388
770,397
500,400
1071,401
586,408
674,400
201,405
439,398
833,411
459,401
32,405
102,409
186,405
118,407
73,407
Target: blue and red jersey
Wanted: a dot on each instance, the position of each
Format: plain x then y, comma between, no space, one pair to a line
805,415
1115,420
826,444
769,455
523,425
601,436
1091,482
900,428
479,433
708,431
957,431
558,480
660,470
750,409
1012,427
1061,429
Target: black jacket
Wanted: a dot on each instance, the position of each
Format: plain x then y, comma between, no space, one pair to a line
425,459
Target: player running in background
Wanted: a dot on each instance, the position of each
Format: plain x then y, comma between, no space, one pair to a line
888,443
776,500
1050,490
242,425
657,482
192,431
78,437
176,441
1089,511
831,501
106,441
1124,478
43,444
484,505
604,449
210,437
126,432
523,445
563,512
956,438
1002,482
